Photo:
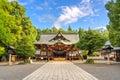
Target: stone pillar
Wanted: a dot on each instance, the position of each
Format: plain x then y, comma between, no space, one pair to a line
30,60
10,62
108,62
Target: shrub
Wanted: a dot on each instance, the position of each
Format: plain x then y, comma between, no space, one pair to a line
89,61
95,54
84,53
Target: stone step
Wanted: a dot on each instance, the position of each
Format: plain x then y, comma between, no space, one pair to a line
59,59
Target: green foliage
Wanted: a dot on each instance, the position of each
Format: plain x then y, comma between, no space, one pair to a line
91,40
47,30
89,61
95,54
16,29
2,50
113,8
62,30
69,29
38,34
84,52
55,30
25,49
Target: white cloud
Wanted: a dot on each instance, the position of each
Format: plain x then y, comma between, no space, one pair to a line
105,1
85,1
46,5
46,18
26,2
23,3
71,14
38,8
101,27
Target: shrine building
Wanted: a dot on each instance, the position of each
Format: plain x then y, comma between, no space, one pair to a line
57,46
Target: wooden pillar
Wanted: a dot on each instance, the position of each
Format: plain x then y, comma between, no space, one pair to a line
47,56
72,51
71,55
66,56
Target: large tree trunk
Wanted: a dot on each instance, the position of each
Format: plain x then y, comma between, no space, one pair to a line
89,52
24,58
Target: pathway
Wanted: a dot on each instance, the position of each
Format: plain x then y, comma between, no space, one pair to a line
60,71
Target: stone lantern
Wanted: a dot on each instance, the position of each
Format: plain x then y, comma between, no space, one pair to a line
10,50
108,47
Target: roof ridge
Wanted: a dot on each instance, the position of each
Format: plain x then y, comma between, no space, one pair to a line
57,33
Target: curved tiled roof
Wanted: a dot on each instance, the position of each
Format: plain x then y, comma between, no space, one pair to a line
47,39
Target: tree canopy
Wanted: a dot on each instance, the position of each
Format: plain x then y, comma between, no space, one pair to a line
16,27
113,8
91,40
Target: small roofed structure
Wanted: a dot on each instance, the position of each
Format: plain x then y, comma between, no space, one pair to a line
57,46
10,49
107,45
115,51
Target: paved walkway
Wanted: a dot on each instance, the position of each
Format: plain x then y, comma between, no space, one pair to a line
60,71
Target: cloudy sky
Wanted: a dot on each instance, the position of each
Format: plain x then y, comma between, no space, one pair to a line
62,13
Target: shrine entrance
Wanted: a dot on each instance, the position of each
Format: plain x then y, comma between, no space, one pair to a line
59,56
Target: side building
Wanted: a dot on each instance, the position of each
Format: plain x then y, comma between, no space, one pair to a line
57,47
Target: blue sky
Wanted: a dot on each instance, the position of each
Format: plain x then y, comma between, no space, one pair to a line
62,13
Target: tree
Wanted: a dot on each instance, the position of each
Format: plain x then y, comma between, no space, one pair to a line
62,30
2,50
54,29
113,8
69,29
47,30
16,27
90,40
38,34
25,49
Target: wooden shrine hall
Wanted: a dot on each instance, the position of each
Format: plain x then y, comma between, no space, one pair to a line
57,47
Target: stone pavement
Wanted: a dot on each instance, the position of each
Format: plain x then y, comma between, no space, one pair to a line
17,72
102,71
60,71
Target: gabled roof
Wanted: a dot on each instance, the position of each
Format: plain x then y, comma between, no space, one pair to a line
60,36
70,38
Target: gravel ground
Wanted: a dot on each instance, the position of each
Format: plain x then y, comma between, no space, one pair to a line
17,72
102,71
